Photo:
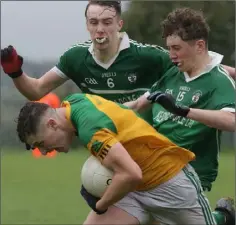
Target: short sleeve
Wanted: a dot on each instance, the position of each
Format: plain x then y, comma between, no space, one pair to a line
69,63
101,143
223,96
64,65
224,99
96,130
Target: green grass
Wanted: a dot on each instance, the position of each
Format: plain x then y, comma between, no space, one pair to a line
46,191
225,182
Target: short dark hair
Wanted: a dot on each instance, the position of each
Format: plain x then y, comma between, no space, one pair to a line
187,23
114,4
29,119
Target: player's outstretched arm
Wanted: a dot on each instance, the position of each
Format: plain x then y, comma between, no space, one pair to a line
127,175
34,89
31,88
218,119
140,104
230,70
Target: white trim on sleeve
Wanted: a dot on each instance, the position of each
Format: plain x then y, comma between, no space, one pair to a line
147,94
59,73
229,110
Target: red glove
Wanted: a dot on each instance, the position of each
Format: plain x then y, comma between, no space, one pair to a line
11,62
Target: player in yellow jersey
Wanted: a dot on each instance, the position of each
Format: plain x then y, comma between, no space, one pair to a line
152,178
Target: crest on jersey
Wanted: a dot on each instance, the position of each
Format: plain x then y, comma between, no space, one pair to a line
196,96
132,77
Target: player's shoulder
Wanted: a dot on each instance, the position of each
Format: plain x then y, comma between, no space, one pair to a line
171,74
78,49
221,77
72,99
141,47
77,107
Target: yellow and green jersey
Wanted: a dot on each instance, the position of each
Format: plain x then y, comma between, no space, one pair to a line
101,123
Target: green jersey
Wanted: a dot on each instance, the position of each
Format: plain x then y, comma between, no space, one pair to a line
124,78
212,90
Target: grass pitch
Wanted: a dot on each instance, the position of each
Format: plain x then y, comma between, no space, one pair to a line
46,190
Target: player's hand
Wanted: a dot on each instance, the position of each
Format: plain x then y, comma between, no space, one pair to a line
91,200
167,101
11,62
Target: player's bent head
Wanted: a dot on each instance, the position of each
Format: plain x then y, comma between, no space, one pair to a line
29,119
41,126
187,24
116,5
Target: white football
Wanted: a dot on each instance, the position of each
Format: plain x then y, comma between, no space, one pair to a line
95,177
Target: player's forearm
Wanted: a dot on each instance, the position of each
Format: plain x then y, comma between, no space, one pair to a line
139,105
230,70
218,119
132,105
121,185
29,87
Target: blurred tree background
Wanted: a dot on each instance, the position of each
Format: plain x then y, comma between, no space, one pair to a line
142,23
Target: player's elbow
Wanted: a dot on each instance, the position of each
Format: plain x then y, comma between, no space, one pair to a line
37,94
136,176
29,87
34,97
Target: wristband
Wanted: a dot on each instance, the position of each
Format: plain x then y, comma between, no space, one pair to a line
16,74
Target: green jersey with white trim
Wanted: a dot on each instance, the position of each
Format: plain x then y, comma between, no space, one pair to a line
127,76
214,90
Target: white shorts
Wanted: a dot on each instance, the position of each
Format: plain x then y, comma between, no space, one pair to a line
180,200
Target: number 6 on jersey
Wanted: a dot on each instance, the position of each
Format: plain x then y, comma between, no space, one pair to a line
110,83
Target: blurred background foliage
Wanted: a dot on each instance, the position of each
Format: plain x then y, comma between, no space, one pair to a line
142,22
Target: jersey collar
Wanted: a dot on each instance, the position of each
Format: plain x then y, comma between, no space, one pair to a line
124,44
216,59
67,105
